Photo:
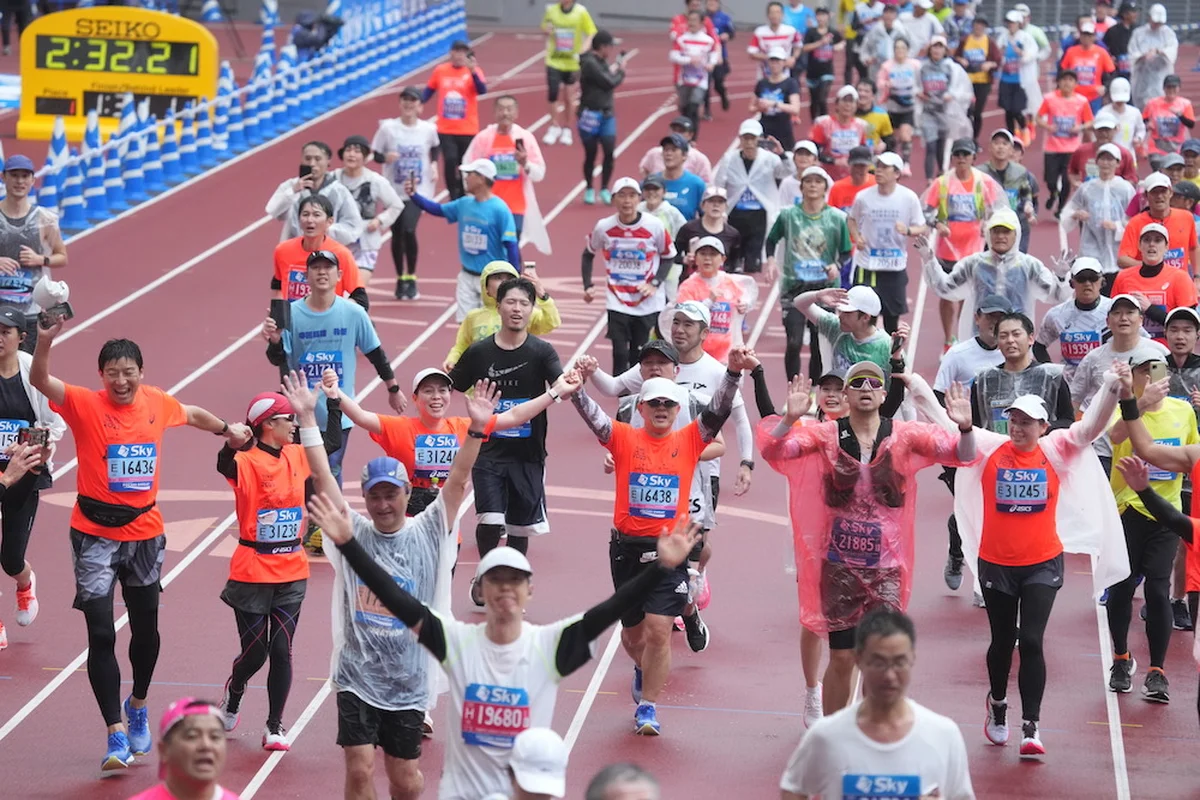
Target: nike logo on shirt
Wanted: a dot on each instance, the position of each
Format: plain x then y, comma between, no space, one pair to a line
497,373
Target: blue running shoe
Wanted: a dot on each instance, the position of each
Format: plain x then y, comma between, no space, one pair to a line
606,197
140,741
1104,598
636,688
118,756
645,720
589,196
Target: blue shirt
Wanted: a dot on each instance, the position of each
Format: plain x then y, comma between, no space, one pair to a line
483,228
799,18
723,23
316,340
684,193
1010,70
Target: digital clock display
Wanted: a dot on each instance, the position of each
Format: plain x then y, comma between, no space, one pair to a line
126,56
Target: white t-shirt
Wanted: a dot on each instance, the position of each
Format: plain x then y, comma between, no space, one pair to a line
413,144
876,216
496,691
632,254
1078,331
963,362
836,760
1131,127
1089,376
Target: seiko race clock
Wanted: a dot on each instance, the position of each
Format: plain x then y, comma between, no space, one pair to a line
89,58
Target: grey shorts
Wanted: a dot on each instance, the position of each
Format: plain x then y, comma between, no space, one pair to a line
260,598
100,563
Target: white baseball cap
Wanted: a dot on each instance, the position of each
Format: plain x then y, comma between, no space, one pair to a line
1104,121
926,4
1154,227
429,372
710,241
660,389
937,38
805,144
1030,404
1004,218
1119,90
847,91
817,172
695,311
1086,264
1158,13
503,557
1014,16
480,166
890,159
539,762
750,127
1184,311
1023,8
626,183
777,52
714,191
861,298
1111,149
1087,26
1155,180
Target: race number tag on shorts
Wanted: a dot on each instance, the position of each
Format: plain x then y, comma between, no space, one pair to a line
999,418
10,429
494,715
454,106
564,40
519,432
1021,491
314,363
880,787
1161,474
277,525
368,610
131,467
434,454
722,317
297,284
653,495
590,121
1077,344
855,542
474,239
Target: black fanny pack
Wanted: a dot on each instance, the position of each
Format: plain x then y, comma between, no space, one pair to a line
272,548
109,515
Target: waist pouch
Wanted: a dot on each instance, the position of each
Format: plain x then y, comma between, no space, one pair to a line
109,515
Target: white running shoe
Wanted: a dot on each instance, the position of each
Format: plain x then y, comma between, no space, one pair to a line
275,739
567,138
995,726
427,727
552,135
813,708
27,604
1031,742
229,719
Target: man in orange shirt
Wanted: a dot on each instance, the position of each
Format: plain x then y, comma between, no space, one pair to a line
290,280
1179,224
1065,114
654,466
844,190
457,85
1093,66
116,527
1165,286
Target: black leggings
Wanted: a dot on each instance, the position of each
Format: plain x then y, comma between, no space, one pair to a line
719,73
105,675
982,91
453,148
487,539
1152,555
818,94
404,240
590,146
752,225
1057,183
18,507
18,12
854,64
1031,611
263,636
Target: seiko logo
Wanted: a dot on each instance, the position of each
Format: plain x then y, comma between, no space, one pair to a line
117,29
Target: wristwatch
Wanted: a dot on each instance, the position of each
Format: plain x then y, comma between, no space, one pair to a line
748,464
394,389
555,397
224,428
45,261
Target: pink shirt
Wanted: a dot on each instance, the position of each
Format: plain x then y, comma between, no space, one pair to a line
160,792
694,162
1063,114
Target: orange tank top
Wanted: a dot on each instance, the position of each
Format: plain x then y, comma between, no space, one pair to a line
1020,497
269,497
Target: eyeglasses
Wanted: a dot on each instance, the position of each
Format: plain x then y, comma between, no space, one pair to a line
878,664
660,403
865,382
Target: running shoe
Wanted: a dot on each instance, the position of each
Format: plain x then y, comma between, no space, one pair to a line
606,197
1031,742
813,707
995,727
3,637
313,541
401,292
677,625
229,710
1156,689
567,137
427,727
635,688
589,196
978,601
1104,597
138,725
476,593
645,720
705,594
1120,674
552,135
697,632
413,292
118,755
1142,613
1182,618
952,573
27,604
275,737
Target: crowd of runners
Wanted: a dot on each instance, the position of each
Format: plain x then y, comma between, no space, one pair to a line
1068,429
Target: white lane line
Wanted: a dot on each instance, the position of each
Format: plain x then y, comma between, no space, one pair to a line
1116,734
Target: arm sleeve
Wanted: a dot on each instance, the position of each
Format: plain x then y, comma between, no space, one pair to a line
762,393
574,646
585,267
359,296
226,465
513,251
276,355
427,205
1174,519
332,435
976,419
480,84
893,400
719,408
598,421
379,360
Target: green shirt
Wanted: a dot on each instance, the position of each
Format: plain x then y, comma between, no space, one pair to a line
848,351
811,242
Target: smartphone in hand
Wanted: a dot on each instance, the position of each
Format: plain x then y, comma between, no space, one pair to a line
54,313
36,437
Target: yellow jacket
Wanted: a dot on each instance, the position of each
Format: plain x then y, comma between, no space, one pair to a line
483,322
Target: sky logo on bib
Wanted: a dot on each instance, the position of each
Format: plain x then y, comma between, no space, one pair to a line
879,787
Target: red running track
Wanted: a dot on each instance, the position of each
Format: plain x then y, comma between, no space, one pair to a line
723,707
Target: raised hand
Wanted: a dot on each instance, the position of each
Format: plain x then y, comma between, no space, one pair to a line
924,249
295,389
1136,472
799,398
1155,393
270,330
958,406
586,365
674,545
1125,377
481,403
238,435
568,383
333,521
329,383
742,359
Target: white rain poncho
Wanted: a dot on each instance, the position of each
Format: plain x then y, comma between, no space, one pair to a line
762,182
1104,201
1147,71
1030,56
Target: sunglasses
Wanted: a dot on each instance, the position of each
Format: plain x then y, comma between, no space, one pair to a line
322,258
288,417
659,403
868,382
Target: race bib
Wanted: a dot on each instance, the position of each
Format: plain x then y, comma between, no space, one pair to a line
519,432
961,208
855,542
1011,65
1021,491
1014,197
809,270
493,716
564,40
1123,63
278,525
474,239
17,290
131,467
693,75
1161,474
454,106
435,453
1063,126
1077,344
410,163
843,140
314,364
722,318
880,787
1086,74
507,168
1175,257
368,610
10,429
999,418
1168,126
975,58
297,284
653,495
590,122
626,261
748,202
935,84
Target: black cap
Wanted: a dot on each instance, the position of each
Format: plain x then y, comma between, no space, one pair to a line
322,255
675,140
15,318
994,303
410,93
653,182
460,44
963,145
683,123
659,346
356,140
833,372
602,38
1063,73
860,155
1126,8
1172,80
1187,189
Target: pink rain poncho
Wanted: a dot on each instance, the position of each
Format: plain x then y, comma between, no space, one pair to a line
852,523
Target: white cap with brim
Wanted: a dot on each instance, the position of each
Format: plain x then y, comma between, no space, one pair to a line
1014,16
777,53
1124,298
1154,227
865,368
1119,91
539,762
1155,180
750,127
1087,27
660,389
1086,264
502,557
710,241
626,183
1031,405
1023,9
429,372
816,172
715,191
1184,312
480,166
806,145
1158,13
1146,355
1004,218
1110,149
890,160
847,91
1104,122
694,311
861,298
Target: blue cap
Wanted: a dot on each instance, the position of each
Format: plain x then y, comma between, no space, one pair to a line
675,140
18,162
384,469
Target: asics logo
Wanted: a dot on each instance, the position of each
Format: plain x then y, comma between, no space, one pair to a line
492,372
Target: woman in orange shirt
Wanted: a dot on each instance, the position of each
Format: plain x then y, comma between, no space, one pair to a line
457,85
268,573
290,279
